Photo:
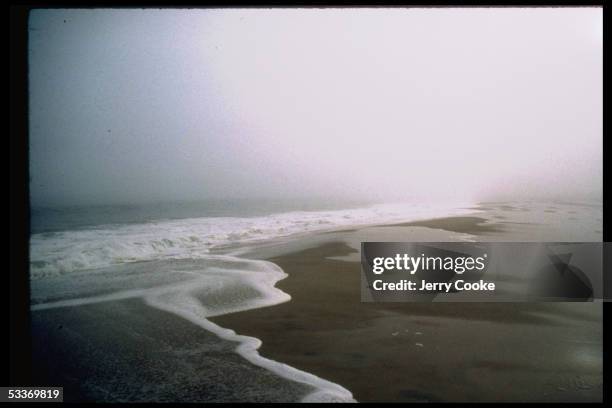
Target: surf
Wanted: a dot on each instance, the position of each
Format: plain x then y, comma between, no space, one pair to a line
214,278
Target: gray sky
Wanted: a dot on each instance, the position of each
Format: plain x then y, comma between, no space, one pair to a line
137,105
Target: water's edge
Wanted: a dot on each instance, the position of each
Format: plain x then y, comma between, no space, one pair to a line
180,299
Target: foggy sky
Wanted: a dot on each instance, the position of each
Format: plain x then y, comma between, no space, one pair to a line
138,105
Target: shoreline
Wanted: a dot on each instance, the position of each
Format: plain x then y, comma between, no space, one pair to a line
469,352
185,301
325,331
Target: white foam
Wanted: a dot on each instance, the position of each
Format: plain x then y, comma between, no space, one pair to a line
195,238
192,310
182,300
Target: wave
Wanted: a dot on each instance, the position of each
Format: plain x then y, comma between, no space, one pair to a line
194,238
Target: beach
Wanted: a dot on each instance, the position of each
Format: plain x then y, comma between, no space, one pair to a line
316,204
424,352
127,351
282,320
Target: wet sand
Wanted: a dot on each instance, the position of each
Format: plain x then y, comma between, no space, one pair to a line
126,351
464,225
401,352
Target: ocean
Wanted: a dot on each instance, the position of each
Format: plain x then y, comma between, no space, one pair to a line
72,239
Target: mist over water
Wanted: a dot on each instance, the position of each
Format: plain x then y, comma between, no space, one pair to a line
51,219
137,106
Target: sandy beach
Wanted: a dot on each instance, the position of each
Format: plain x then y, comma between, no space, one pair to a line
127,351
424,352
199,186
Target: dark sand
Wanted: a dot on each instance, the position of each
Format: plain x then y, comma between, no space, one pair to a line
425,352
466,225
126,351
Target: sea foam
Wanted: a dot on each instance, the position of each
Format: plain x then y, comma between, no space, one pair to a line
204,288
195,238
